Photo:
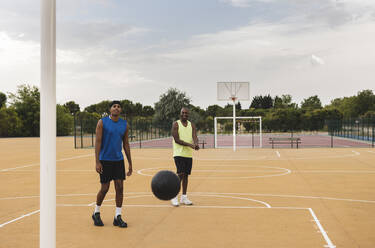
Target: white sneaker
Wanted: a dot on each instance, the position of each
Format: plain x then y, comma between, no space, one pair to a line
185,200
174,201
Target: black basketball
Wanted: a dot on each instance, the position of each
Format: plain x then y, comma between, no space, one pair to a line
165,185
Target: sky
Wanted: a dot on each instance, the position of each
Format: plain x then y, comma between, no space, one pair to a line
137,50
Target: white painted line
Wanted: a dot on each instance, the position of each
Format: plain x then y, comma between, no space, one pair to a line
356,153
197,170
21,217
240,198
19,197
282,171
18,167
336,171
278,154
37,171
206,193
209,195
322,231
371,151
258,158
190,206
35,164
166,206
287,196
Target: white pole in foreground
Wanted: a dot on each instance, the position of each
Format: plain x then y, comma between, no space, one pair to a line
215,136
260,129
234,124
48,125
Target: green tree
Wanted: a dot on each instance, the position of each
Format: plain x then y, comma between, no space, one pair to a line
369,115
262,102
345,106
365,101
313,120
72,106
138,109
311,103
208,125
285,101
3,99
148,111
168,108
87,121
214,110
128,108
284,120
64,120
10,123
101,108
238,106
26,103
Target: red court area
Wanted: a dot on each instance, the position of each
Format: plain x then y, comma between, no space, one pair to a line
250,141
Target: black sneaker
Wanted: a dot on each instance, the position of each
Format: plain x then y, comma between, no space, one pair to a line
119,222
97,220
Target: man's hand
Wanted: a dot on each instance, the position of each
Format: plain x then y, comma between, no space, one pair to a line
196,147
99,167
130,171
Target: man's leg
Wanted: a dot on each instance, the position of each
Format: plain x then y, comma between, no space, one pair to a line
187,165
101,194
119,186
184,182
99,200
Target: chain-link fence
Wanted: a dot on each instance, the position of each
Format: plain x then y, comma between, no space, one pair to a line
362,129
144,133
141,130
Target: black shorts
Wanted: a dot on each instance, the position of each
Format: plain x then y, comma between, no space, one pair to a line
183,165
112,170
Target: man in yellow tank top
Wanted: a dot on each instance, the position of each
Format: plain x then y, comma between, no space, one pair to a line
184,141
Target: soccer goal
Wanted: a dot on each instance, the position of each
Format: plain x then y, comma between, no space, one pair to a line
248,132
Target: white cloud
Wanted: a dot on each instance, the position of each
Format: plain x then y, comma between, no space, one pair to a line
315,60
276,59
19,62
96,62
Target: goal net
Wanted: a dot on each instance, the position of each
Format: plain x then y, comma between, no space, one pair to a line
248,132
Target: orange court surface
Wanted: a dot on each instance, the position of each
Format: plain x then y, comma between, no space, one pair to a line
310,197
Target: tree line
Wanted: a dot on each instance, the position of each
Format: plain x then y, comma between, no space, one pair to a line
20,112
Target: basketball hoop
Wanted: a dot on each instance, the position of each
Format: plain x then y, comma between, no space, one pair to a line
233,91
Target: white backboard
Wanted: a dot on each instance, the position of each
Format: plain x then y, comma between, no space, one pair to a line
229,91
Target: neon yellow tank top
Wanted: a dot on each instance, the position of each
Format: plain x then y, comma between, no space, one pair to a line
186,135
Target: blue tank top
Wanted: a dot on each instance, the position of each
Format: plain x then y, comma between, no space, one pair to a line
112,137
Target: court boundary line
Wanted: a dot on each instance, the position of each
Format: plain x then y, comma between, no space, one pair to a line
18,218
310,210
36,164
286,172
217,193
159,158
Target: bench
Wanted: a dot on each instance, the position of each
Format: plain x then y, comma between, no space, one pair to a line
203,142
279,140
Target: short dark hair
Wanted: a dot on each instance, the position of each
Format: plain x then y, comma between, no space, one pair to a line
113,103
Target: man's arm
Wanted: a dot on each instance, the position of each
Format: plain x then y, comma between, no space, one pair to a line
127,151
176,137
195,138
98,144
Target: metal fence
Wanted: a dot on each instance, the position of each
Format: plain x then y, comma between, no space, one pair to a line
140,130
362,129
144,133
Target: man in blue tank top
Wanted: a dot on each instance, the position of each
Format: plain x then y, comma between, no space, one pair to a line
111,136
